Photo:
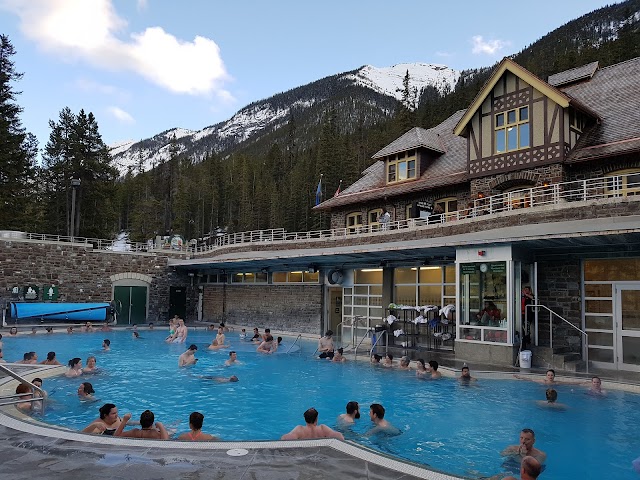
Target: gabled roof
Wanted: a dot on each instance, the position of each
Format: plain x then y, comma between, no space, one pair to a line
573,75
414,138
508,64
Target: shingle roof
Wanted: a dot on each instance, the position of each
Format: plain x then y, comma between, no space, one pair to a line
449,168
414,138
612,93
573,75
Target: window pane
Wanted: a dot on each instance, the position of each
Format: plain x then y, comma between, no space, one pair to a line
405,275
364,278
405,295
450,274
295,276
392,173
600,355
524,113
631,350
512,138
431,295
524,135
373,216
598,338
402,170
452,206
597,290
500,141
411,171
511,117
311,277
598,323
598,306
500,120
237,278
401,155
430,275
261,277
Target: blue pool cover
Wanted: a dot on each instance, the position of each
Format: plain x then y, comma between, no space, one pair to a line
88,312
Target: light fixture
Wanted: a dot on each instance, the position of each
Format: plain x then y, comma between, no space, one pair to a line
370,269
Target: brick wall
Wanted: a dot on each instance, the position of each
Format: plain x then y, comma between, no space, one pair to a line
293,308
83,275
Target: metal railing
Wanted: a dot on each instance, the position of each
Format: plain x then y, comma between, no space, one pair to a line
552,314
295,341
34,398
381,334
367,335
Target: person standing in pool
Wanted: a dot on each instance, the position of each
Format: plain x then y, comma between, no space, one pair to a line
91,365
256,336
85,392
188,357
106,345
181,332
595,387
148,430
432,368
530,469
311,429
233,359
525,447
108,421
75,367
195,435
267,345
325,345
339,357
51,359
465,376
353,414
376,414
551,401
220,337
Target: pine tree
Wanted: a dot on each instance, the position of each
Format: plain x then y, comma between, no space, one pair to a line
18,149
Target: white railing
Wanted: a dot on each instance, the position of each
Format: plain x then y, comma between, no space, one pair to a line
554,194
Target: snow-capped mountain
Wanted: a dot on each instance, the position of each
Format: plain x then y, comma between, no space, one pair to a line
368,92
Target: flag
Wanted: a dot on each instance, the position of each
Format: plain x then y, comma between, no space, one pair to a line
319,192
338,190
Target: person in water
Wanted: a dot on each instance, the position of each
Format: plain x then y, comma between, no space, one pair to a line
353,414
311,429
376,414
525,447
196,435
147,429
108,421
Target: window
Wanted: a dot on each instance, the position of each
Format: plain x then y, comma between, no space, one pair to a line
296,277
354,222
258,277
577,120
512,130
448,205
401,167
623,183
374,215
517,197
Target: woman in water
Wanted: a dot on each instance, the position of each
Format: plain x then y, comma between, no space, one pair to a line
51,359
195,435
421,369
85,392
75,367
91,365
108,422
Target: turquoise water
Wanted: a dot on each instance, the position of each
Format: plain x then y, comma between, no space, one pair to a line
450,427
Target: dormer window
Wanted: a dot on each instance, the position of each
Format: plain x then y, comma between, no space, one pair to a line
512,130
401,166
577,121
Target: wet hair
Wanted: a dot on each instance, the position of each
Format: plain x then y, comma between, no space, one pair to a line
267,330
389,356
531,466
464,368
105,410
48,329
51,356
280,340
193,346
233,378
341,350
196,419
528,430
353,407
136,334
232,352
26,356
107,342
311,415
146,419
90,357
22,389
433,365
268,338
378,410
328,333
405,360
37,379
88,388
551,395
377,357
74,361
552,371
421,362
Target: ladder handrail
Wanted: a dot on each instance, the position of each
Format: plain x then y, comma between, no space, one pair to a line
295,341
585,347
378,337
21,379
355,351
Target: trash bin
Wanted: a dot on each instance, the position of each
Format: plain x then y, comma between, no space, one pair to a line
377,329
525,359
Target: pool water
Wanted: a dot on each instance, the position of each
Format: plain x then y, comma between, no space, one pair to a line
450,427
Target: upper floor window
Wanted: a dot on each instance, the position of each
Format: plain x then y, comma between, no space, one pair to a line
354,222
296,277
374,217
249,277
512,130
401,166
577,120
448,205
623,182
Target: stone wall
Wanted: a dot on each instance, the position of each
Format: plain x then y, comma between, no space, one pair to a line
84,275
294,308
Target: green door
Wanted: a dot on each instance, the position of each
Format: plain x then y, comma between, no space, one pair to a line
134,304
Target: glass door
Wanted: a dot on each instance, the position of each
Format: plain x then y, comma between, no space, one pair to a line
627,321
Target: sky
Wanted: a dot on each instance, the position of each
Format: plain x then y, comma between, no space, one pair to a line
145,66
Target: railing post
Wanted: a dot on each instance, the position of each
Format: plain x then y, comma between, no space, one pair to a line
584,190
551,330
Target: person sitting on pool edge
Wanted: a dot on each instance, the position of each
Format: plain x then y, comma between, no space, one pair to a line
311,429
148,429
376,414
325,345
530,469
196,420
525,447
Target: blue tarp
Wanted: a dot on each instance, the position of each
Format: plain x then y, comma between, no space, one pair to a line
88,312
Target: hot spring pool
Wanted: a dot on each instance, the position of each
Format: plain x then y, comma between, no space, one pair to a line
454,428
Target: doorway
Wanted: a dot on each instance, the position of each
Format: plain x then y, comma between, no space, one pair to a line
178,302
627,326
133,300
335,310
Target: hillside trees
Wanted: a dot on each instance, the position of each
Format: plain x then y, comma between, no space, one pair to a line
18,150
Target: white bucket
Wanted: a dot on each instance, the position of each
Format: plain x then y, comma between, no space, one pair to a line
525,359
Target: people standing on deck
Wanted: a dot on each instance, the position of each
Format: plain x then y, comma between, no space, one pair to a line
311,429
384,219
325,345
196,420
148,429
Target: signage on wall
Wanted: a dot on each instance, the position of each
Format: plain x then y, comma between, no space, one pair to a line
31,292
468,269
50,292
500,267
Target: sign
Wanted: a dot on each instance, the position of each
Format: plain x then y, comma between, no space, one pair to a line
468,269
500,267
31,292
50,292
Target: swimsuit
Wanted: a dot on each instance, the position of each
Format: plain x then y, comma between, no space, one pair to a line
109,431
192,437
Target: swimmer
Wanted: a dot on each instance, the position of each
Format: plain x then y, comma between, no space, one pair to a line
595,387
375,359
188,357
349,418
231,379
106,345
150,325
388,361
339,357
405,363
549,378
25,405
550,402
49,329
29,358
51,359
267,331
107,423
376,414
75,368
91,365
432,368
266,346
220,336
135,335
34,330
243,334
311,429
85,392
421,369
530,469
69,330
37,382
525,447
172,328
216,346
181,332
13,331
88,327
195,435
233,359
105,327
256,336
465,376
148,429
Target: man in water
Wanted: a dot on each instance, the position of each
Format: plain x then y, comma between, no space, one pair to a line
465,376
376,414
311,429
147,430
233,359
325,345
256,335
106,345
525,448
596,387
353,414
530,469
188,357
232,378
551,401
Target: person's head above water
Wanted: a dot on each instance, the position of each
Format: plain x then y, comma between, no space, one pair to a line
146,419
551,395
311,416
353,407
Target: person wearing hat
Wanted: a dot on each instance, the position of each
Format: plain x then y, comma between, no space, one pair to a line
325,345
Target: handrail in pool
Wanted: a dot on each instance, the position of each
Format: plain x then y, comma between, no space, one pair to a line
355,351
385,333
21,379
295,341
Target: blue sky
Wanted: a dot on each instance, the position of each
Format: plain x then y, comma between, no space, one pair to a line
144,66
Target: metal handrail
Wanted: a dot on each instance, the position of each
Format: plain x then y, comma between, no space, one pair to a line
355,351
585,347
294,342
378,337
3,368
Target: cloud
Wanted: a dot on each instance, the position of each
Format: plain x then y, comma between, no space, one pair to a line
444,54
121,115
141,5
489,47
90,30
91,86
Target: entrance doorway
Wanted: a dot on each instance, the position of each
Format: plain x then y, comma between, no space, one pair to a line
627,326
178,302
134,304
335,311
